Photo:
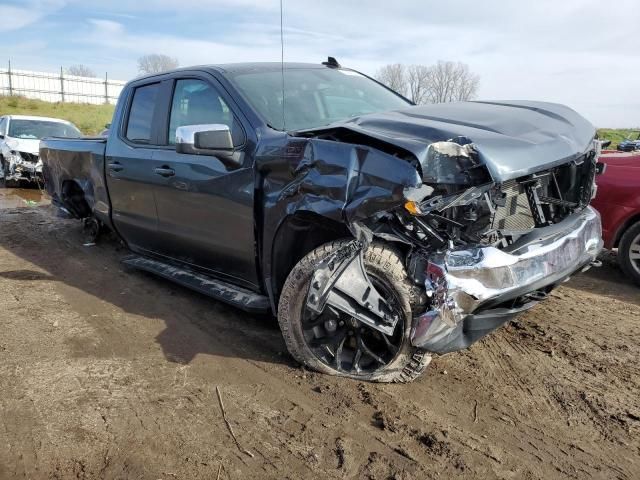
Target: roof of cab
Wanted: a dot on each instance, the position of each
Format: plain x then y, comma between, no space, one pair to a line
237,68
263,67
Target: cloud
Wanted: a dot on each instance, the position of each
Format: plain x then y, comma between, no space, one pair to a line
107,28
29,12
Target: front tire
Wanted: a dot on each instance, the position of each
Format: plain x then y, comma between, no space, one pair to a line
330,342
629,252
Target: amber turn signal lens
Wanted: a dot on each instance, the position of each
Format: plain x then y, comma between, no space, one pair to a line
412,207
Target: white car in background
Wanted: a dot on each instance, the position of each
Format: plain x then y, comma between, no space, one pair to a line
20,141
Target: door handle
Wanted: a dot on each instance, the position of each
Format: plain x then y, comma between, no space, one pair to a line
115,166
165,171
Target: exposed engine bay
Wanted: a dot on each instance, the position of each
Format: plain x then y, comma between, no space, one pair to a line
485,213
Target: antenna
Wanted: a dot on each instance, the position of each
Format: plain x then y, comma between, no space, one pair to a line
282,66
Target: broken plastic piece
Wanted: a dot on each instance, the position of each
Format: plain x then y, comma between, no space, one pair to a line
342,282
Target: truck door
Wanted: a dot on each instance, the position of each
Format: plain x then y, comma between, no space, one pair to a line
129,168
205,210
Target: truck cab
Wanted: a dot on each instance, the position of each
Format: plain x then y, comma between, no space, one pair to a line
198,207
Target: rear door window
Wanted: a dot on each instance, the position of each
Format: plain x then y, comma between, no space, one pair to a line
139,125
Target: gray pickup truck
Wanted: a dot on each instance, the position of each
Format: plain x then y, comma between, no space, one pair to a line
379,232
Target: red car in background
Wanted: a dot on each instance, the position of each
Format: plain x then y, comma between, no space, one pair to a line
618,201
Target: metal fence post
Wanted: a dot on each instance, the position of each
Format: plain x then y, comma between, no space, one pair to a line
10,84
106,87
61,85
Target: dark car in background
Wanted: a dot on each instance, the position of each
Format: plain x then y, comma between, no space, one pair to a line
631,143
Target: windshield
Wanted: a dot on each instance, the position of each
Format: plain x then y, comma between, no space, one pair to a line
314,97
37,129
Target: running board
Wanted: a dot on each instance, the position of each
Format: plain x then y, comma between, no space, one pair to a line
220,290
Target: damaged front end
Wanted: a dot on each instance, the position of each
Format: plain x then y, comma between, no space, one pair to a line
496,249
481,250
21,166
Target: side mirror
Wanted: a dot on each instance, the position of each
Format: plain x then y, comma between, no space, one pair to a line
108,125
1,136
212,139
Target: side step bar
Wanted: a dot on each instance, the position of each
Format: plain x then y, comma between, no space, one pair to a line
220,290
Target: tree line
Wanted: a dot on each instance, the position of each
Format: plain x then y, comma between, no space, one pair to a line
152,63
438,83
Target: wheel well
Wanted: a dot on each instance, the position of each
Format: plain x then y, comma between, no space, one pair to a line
298,235
628,224
73,199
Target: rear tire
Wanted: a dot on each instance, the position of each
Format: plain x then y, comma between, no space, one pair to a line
402,362
629,252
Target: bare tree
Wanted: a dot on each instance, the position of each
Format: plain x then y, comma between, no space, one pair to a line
394,77
418,83
451,82
442,82
156,63
80,71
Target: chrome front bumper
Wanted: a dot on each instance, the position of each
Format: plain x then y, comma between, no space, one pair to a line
466,284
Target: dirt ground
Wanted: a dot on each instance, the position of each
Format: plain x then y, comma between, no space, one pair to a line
112,373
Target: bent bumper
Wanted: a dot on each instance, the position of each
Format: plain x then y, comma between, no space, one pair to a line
474,291
24,170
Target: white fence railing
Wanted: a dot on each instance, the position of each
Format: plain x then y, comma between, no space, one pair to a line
59,87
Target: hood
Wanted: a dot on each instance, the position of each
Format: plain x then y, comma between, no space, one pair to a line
513,138
28,145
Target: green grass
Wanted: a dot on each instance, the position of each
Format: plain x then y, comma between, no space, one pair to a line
90,119
616,135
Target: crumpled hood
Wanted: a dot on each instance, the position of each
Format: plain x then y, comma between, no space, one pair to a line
27,145
513,138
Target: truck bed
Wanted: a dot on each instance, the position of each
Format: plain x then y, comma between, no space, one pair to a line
74,175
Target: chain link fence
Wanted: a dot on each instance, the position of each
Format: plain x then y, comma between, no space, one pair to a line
59,87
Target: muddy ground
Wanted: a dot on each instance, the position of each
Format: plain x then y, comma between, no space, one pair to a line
112,373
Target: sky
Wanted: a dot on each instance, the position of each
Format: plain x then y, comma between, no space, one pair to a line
582,53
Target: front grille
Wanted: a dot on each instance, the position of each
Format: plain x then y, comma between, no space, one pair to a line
29,157
516,213
546,197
